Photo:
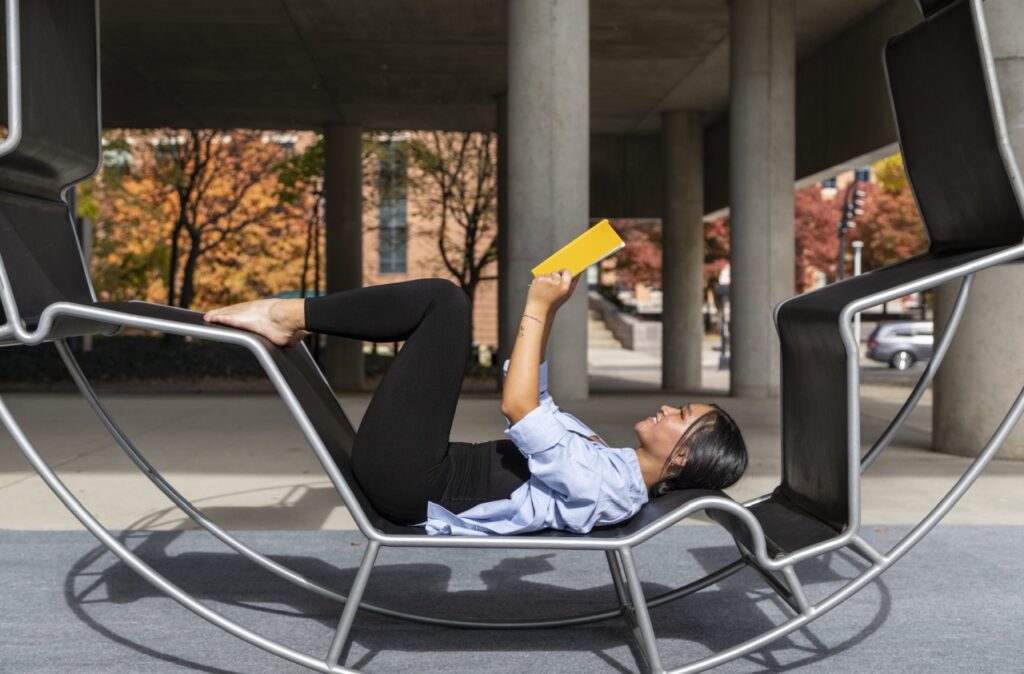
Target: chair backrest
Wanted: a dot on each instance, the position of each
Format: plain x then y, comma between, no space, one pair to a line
929,7
940,88
963,180
60,146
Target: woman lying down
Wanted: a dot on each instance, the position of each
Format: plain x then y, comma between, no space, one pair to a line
552,470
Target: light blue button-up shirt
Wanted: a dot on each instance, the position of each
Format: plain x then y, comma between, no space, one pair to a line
575,483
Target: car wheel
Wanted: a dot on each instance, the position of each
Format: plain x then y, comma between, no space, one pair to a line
901,360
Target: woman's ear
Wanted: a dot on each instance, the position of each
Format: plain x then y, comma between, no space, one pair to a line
679,460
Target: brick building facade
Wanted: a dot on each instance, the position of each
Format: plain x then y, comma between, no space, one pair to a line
400,231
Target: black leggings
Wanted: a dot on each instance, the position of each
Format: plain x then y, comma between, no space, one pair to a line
402,456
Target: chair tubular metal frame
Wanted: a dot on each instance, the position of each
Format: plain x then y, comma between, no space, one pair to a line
289,575
633,605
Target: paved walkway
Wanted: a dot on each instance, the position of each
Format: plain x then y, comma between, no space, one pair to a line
620,370
242,459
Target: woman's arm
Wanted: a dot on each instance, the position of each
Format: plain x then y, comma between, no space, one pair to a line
521,392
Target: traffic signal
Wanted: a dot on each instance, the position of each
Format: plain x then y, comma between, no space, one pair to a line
858,202
854,207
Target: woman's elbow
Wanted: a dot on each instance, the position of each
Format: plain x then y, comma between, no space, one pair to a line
515,410
512,412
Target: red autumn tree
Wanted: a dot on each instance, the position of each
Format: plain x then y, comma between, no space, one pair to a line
716,248
815,230
640,261
891,227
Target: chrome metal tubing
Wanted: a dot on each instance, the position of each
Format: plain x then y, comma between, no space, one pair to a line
621,549
760,553
796,589
173,494
617,582
625,601
644,630
926,377
339,644
995,99
964,483
147,572
259,350
781,589
12,17
926,282
697,585
884,562
299,580
866,550
633,585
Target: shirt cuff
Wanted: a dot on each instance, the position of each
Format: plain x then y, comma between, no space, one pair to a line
537,431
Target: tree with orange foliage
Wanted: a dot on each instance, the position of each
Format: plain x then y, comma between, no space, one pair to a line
302,179
202,206
220,186
130,252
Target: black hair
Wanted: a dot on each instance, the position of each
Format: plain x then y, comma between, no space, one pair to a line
716,455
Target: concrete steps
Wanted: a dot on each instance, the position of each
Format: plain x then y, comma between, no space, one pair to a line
598,334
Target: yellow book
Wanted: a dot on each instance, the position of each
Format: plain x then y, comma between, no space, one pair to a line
590,247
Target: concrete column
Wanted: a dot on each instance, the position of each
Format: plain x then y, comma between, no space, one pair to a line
342,360
761,174
509,299
548,163
682,226
984,369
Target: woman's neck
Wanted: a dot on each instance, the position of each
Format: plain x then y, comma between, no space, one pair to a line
650,467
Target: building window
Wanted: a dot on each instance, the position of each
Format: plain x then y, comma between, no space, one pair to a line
117,157
392,183
286,141
863,174
828,183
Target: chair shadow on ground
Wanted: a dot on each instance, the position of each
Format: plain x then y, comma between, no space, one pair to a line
510,588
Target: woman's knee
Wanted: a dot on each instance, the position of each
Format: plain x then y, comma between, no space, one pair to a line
449,294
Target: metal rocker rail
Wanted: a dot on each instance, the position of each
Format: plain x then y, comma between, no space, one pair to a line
954,30
633,605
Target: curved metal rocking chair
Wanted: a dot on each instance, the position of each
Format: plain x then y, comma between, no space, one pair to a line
973,224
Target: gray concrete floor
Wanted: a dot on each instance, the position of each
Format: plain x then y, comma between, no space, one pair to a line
241,458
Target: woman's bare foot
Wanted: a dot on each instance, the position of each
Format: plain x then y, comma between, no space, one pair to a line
280,321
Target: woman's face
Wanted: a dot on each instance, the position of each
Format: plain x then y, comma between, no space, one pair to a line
660,432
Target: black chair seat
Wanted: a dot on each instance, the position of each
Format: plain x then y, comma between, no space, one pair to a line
651,513
334,427
787,527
